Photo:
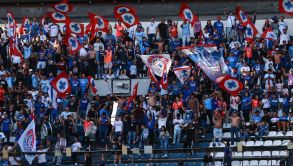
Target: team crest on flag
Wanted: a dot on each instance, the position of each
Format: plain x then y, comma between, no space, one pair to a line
63,7
102,23
186,14
241,16
231,85
286,6
129,19
250,32
57,17
182,73
61,84
157,62
27,141
118,10
74,27
72,43
25,24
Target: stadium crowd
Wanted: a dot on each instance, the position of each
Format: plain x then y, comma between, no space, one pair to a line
187,112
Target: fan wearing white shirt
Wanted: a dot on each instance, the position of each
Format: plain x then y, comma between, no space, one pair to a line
133,70
42,156
152,29
230,26
284,37
75,147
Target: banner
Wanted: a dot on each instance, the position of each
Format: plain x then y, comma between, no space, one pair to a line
182,73
209,59
27,141
156,63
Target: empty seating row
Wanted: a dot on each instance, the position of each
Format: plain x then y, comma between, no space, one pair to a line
252,163
227,135
283,153
257,143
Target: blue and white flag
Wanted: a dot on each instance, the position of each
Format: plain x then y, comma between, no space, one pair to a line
182,73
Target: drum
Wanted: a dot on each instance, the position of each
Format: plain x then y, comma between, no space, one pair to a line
46,129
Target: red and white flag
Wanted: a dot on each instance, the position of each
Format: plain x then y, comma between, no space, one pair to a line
61,84
156,63
72,43
63,7
74,27
269,34
57,17
241,16
231,85
43,20
129,19
13,49
11,26
118,10
185,13
286,6
250,32
182,73
92,84
164,79
133,96
27,141
24,24
98,23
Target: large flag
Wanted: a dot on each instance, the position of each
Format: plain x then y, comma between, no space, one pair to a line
97,23
72,43
164,79
286,6
129,19
27,141
13,49
92,84
74,27
182,73
269,34
11,26
118,10
241,16
250,32
57,17
24,25
231,85
63,7
209,60
61,84
186,14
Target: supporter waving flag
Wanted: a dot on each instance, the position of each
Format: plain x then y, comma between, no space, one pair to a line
74,27
286,6
63,6
185,13
269,34
98,23
250,32
241,16
13,49
11,26
182,73
61,84
24,25
57,17
72,43
133,96
92,84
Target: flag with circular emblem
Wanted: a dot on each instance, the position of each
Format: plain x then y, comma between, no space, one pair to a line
241,16
25,25
129,19
74,27
72,43
118,10
286,6
250,32
61,84
185,13
57,17
63,7
231,85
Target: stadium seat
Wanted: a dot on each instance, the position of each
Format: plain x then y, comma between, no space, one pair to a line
227,126
285,142
227,135
268,143
272,134
247,154
258,143
245,163
253,162
266,154
275,162
236,162
289,133
248,143
219,155
269,162
284,153
277,143
218,163
237,154
275,153
280,134
263,162
256,153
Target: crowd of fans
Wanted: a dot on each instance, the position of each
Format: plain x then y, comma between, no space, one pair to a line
187,112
